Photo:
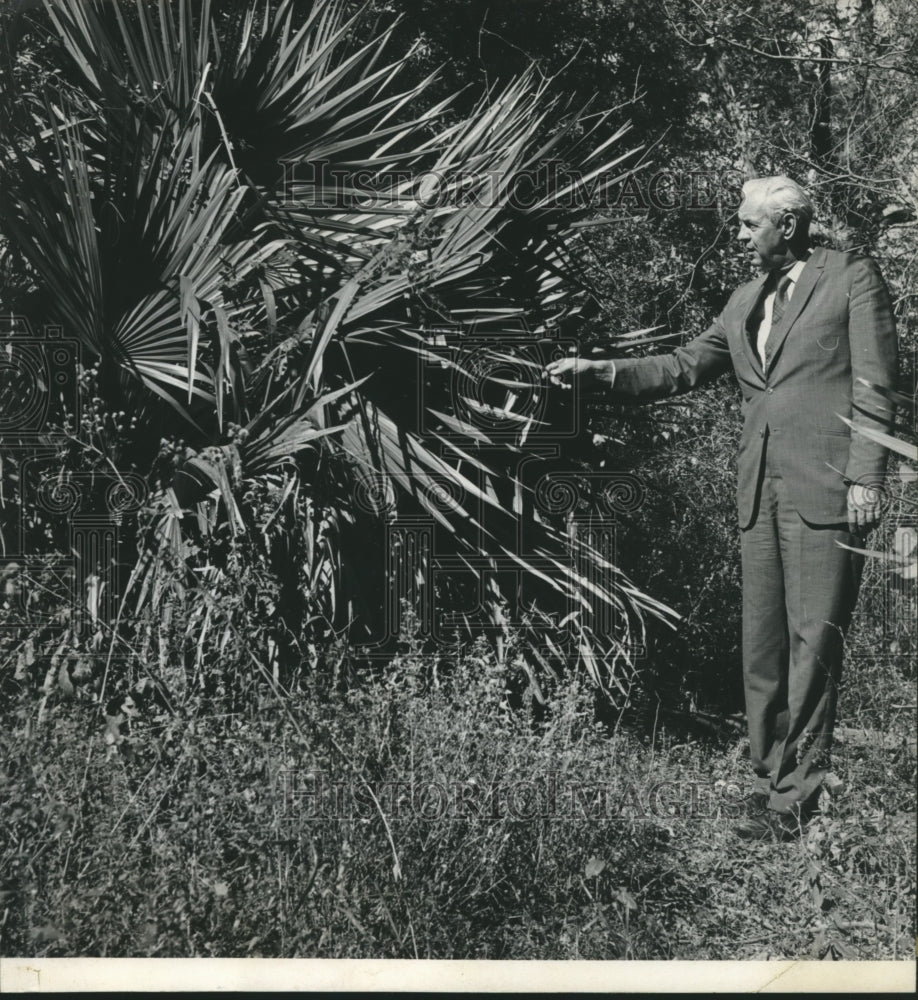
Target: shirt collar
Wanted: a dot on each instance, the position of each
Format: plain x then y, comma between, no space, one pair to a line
793,272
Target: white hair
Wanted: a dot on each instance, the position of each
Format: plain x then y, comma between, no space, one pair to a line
781,195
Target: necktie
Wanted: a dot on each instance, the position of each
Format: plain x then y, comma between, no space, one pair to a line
758,312
778,307
780,303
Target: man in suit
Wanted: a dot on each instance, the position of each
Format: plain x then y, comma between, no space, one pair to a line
801,338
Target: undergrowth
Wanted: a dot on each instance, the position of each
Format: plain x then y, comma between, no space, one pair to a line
422,811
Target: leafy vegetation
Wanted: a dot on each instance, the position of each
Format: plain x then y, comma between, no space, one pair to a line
309,339
311,288
411,814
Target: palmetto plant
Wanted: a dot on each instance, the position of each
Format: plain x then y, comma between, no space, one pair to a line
339,298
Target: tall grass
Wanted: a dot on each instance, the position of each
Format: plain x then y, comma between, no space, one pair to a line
408,814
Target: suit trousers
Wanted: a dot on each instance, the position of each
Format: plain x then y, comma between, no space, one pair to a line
799,592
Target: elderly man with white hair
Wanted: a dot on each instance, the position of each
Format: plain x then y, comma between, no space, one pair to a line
803,339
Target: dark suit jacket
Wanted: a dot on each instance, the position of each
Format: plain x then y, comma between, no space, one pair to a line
838,327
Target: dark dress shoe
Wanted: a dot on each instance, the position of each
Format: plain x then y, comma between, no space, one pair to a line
769,825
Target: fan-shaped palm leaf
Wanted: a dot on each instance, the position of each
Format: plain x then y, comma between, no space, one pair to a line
261,228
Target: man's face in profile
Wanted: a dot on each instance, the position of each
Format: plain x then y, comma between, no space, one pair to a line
765,239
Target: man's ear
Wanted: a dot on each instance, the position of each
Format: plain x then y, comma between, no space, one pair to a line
789,225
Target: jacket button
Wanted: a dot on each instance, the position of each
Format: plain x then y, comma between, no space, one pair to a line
769,390
762,433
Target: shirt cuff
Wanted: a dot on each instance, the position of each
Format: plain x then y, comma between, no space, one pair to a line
605,376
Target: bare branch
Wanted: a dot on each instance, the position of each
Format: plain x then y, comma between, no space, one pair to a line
840,60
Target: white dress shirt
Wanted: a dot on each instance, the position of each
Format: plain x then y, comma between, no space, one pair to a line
609,372
793,273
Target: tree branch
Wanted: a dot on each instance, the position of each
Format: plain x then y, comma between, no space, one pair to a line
810,59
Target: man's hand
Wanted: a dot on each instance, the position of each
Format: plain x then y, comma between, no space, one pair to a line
863,508
563,371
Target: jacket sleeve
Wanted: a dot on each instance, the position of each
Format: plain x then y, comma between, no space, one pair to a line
872,338
645,379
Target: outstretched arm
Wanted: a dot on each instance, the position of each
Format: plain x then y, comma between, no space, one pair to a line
646,379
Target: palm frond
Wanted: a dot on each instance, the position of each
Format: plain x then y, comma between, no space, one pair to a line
903,448
330,284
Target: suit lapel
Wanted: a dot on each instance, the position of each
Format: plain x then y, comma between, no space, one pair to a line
802,292
755,294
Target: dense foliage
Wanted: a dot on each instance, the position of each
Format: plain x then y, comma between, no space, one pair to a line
325,307
284,369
